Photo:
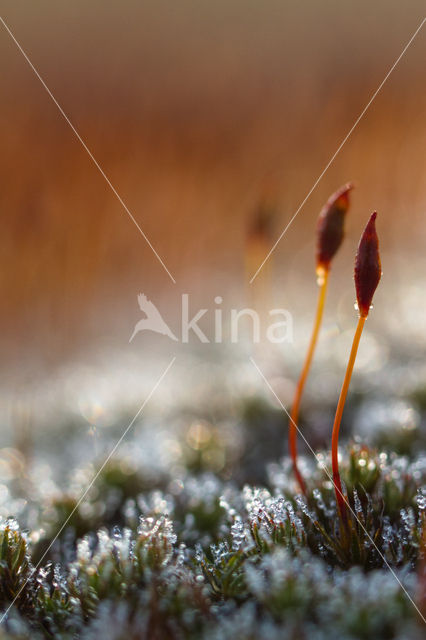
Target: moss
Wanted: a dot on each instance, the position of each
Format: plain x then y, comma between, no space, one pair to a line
206,559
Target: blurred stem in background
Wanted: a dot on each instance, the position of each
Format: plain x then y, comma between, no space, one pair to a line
258,243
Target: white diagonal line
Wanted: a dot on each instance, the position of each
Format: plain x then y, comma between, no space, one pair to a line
84,494
318,459
333,157
90,154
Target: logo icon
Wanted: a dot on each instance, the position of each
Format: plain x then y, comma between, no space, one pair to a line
153,321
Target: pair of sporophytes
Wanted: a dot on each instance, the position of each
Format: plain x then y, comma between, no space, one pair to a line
330,233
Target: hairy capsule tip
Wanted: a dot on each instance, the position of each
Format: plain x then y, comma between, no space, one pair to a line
368,269
330,227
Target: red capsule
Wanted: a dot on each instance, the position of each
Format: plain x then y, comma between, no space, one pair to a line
368,269
330,227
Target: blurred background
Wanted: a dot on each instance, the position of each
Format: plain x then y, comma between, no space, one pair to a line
206,117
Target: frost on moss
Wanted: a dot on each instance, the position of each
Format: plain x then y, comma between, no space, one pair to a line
200,557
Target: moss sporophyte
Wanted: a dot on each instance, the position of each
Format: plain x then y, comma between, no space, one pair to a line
330,234
368,272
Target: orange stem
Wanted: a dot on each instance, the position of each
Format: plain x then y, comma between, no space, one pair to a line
293,427
341,501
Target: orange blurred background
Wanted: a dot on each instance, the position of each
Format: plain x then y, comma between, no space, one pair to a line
199,112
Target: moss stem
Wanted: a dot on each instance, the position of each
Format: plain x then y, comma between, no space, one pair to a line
341,501
293,426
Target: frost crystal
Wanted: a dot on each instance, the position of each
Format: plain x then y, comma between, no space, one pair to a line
238,533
